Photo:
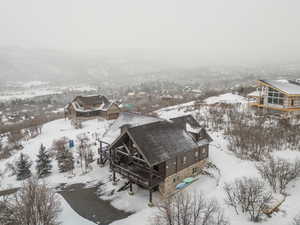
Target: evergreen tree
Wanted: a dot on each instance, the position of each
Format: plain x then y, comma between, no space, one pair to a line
23,167
43,163
69,162
65,160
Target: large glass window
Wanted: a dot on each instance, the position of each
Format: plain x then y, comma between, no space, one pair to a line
275,97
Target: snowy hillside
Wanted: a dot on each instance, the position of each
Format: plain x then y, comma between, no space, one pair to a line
53,131
229,165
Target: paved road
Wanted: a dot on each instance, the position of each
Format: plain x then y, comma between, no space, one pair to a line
86,203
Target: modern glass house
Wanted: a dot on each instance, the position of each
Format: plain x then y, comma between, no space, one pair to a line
278,95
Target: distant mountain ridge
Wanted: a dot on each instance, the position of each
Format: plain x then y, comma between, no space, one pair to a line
120,68
18,64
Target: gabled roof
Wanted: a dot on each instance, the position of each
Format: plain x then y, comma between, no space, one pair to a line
161,141
287,86
157,139
92,100
91,103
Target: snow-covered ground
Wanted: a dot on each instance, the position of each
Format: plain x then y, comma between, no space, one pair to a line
31,93
230,167
33,89
53,131
226,98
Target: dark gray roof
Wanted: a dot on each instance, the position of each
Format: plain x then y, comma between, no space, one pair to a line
183,120
160,141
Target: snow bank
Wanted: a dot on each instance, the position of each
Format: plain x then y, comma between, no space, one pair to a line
143,217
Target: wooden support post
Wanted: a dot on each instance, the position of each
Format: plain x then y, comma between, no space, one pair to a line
150,204
130,188
114,177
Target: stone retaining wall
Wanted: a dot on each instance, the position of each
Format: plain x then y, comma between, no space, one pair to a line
170,183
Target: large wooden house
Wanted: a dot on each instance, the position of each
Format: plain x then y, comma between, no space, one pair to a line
161,154
277,95
91,107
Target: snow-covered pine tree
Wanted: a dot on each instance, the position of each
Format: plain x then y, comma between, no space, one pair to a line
43,163
23,167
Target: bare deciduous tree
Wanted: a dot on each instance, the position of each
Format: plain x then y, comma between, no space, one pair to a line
279,172
34,204
249,196
84,151
255,136
189,209
15,138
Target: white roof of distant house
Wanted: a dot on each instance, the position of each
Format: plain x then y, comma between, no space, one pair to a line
287,86
253,94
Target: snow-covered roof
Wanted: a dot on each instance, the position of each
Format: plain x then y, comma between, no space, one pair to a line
102,107
126,118
254,94
160,141
191,129
287,86
184,125
90,103
228,98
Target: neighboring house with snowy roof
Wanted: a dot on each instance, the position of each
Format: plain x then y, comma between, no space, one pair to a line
91,107
159,154
278,95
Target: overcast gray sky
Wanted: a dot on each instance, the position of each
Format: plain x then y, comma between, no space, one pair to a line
207,30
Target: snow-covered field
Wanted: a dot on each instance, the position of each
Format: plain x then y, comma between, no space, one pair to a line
230,167
30,93
33,89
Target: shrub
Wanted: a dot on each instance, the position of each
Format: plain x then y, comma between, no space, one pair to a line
279,172
189,209
248,196
32,204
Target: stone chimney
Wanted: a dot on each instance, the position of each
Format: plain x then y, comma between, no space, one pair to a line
124,127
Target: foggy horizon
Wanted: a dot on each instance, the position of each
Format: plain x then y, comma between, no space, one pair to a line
176,32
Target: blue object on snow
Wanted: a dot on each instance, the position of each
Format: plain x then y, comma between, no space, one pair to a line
71,143
181,185
188,180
